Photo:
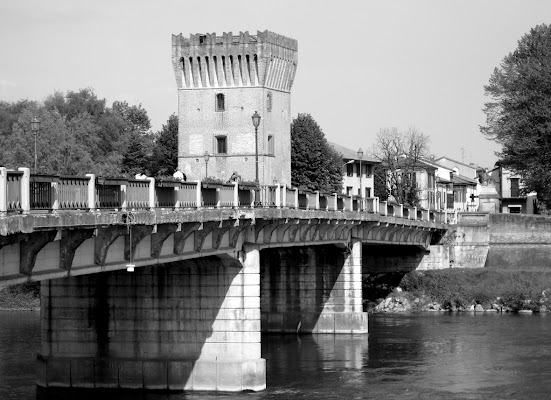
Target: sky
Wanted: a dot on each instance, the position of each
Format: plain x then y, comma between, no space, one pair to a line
362,65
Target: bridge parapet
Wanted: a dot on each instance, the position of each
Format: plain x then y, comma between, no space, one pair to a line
23,193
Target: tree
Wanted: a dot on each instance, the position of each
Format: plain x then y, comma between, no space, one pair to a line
315,165
164,160
135,160
401,155
78,134
519,114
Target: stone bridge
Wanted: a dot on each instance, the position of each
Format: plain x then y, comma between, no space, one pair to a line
168,285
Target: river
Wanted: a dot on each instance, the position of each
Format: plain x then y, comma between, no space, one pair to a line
407,356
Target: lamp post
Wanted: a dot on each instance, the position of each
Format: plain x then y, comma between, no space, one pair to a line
206,157
35,126
360,156
256,122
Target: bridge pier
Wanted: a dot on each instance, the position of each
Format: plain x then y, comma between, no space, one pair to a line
314,289
192,325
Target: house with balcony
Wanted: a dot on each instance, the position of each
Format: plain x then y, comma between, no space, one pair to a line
357,171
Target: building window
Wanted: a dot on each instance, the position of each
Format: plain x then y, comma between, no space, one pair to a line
514,209
431,181
271,145
269,102
349,190
349,169
221,145
220,102
202,39
367,192
515,192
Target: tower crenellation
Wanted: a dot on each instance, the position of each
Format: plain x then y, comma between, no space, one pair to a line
207,60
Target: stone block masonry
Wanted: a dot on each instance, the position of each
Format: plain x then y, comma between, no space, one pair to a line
193,325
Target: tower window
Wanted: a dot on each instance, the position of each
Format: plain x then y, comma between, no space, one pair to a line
221,145
269,102
202,39
220,102
271,145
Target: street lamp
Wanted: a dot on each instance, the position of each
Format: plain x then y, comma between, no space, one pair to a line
206,156
256,122
360,156
35,126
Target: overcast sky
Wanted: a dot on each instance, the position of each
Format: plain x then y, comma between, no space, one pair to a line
363,65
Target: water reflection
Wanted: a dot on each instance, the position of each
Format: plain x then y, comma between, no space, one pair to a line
425,356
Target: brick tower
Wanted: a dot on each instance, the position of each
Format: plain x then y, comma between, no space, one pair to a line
222,81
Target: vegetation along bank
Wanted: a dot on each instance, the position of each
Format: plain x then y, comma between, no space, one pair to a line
477,290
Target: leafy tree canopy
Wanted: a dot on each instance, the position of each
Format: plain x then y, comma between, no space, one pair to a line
519,114
315,165
164,160
78,134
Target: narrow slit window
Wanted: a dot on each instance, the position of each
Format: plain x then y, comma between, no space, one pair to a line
220,102
221,145
271,145
269,102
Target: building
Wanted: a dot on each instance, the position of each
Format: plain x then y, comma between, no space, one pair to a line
419,174
512,199
357,171
222,81
454,192
466,170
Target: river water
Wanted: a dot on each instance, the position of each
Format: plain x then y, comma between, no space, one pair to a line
408,356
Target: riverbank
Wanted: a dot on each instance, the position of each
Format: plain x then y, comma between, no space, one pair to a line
24,297
479,290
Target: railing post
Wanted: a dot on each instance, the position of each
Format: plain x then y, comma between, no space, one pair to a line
177,204
236,194
25,190
91,192
336,202
55,194
218,202
151,192
278,196
124,200
296,198
317,192
3,190
198,197
284,195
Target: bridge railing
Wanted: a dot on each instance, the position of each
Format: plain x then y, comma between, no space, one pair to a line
42,191
12,201
22,192
245,195
137,194
186,195
72,193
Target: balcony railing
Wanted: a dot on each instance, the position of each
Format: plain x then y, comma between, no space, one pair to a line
21,192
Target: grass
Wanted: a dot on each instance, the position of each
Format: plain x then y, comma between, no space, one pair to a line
515,290
20,297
